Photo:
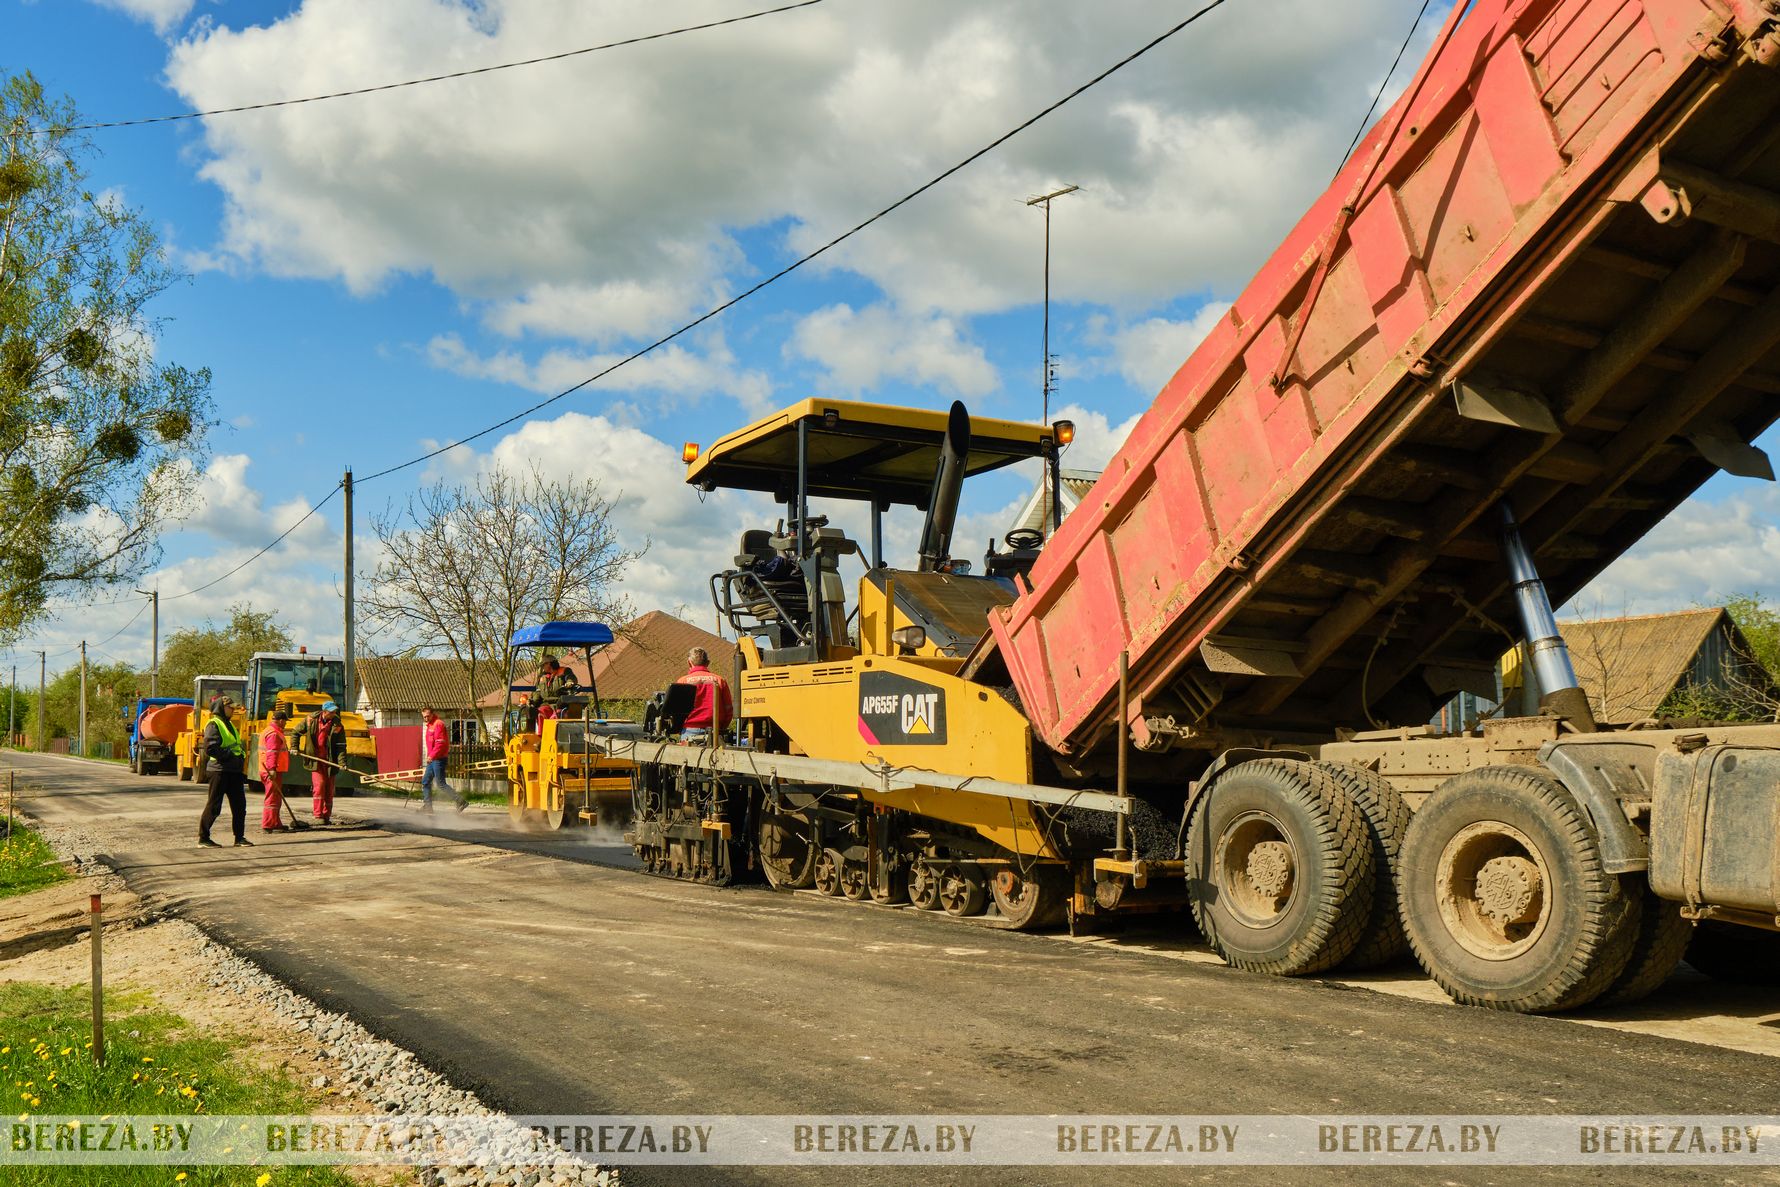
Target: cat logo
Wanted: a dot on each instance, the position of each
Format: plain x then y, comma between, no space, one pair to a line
897,711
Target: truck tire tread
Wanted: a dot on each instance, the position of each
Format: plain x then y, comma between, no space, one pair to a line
1343,903
1663,935
1387,817
1610,912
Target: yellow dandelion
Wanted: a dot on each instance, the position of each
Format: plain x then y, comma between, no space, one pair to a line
67,1050
35,1102
180,1177
148,1059
188,1092
263,1180
5,1050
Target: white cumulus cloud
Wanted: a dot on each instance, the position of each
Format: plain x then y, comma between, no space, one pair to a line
860,349
162,14
596,197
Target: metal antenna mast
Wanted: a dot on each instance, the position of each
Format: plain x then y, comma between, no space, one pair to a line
1045,201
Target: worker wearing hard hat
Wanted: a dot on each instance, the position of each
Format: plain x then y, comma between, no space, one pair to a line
323,738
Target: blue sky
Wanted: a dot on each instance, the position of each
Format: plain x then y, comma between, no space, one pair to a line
373,276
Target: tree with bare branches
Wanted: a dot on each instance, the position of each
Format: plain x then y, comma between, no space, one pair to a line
465,565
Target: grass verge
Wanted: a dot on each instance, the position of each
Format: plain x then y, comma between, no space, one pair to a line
26,862
154,1065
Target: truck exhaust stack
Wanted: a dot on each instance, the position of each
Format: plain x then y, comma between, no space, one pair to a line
1559,690
948,481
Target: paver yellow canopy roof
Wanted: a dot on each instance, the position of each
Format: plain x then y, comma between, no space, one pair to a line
856,451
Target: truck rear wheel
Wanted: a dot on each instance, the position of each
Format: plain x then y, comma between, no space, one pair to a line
1741,955
1662,940
1280,868
1387,817
1505,897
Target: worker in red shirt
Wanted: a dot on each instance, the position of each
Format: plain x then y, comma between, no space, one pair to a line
712,705
435,745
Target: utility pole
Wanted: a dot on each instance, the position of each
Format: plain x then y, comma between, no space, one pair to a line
154,671
1047,481
82,739
42,663
351,673
12,701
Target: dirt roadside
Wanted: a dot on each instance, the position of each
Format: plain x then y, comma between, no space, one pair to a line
339,1068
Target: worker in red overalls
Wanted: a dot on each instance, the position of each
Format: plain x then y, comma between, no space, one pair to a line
324,738
274,762
712,705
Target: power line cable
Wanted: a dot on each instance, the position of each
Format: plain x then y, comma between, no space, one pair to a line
218,581
415,82
1366,120
731,302
279,539
140,610
801,261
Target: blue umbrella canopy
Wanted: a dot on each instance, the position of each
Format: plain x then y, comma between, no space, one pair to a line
562,634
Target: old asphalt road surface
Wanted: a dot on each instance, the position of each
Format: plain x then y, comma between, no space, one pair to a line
559,987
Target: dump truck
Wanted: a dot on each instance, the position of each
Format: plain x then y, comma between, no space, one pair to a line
155,724
1537,309
188,750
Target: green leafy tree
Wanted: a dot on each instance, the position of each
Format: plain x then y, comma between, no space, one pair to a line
111,690
99,442
23,707
218,649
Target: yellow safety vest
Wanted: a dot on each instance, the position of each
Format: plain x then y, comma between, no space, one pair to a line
226,734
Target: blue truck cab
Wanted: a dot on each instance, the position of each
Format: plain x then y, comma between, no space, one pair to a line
150,756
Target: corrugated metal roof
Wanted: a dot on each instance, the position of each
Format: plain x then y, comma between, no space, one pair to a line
1629,666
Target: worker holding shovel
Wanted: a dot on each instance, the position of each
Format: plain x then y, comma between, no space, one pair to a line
324,738
274,762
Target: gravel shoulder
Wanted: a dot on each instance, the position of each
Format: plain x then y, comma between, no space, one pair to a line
44,938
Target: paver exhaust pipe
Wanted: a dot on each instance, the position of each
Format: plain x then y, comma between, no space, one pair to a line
948,481
1559,690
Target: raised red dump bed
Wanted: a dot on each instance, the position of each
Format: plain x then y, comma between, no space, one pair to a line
1558,286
